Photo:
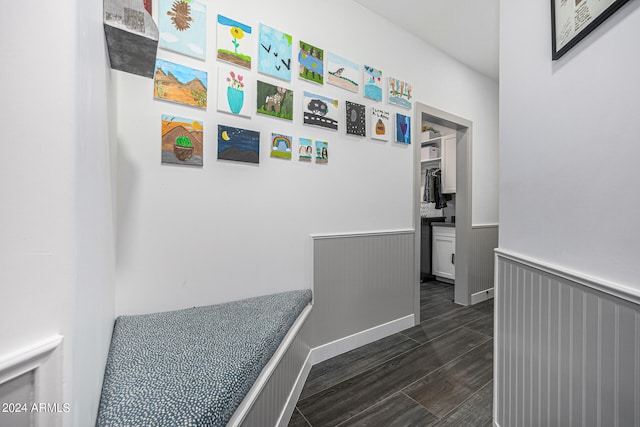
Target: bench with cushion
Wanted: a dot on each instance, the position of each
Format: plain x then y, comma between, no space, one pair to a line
192,367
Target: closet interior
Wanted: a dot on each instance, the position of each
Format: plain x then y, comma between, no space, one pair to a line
437,201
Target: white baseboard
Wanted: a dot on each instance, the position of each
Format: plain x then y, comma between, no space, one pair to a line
335,348
342,345
482,296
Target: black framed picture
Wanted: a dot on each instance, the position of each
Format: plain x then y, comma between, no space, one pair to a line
572,20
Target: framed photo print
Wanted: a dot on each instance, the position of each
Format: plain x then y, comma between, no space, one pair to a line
572,20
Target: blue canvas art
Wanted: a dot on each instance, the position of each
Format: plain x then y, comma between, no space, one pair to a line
183,27
372,83
403,129
240,145
274,53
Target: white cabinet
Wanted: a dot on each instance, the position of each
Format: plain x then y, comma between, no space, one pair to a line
444,250
448,165
441,152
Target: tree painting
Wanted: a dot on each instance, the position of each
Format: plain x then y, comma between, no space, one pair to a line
311,60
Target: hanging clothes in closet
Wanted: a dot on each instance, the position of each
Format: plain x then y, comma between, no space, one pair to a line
439,199
433,188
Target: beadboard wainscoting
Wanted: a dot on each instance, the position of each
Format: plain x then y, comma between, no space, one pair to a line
360,281
567,347
363,290
484,240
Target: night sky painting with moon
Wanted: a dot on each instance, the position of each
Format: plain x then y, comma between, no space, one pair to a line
240,145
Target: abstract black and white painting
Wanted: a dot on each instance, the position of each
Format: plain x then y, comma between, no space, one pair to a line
356,119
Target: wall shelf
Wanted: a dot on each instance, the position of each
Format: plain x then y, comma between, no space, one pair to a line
435,159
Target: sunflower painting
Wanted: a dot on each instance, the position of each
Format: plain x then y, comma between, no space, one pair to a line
234,41
183,27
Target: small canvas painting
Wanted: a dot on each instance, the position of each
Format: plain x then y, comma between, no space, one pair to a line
234,42
281,146
380,124
342,72
274,53
274,101
306,150
177,83
239,145
403,129
181,140
182,25
372,83
399,93
322,152
356,119
234,92
311,60
320,111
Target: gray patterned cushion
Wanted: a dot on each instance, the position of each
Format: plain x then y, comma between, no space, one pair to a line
192,367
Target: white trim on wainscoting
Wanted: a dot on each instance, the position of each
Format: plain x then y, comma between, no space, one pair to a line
27,359
296,391
485,225
255,390
361,234
597,283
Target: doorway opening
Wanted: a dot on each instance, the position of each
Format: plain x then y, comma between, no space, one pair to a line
447,146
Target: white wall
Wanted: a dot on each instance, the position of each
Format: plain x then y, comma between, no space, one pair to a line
94,292
193,236
569,144
56,221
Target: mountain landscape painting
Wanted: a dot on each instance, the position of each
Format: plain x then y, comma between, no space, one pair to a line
177,83
181,141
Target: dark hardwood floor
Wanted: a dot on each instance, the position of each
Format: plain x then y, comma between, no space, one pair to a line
438,373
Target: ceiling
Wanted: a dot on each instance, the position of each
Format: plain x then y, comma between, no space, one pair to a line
467,30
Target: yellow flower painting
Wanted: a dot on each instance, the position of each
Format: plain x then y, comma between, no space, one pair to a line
234,39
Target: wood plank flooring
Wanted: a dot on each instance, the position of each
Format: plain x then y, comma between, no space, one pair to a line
438,373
